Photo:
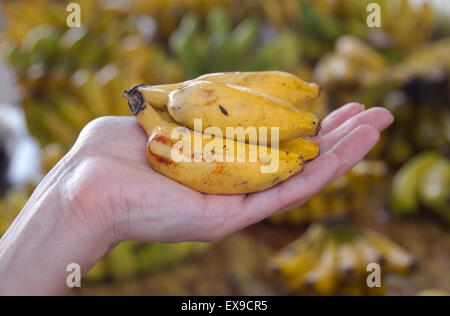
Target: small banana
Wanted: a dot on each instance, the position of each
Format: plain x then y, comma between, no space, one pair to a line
208,164
298,258
328,256
349,263
397,259
307,148
323,277
281,85
224,106
367,252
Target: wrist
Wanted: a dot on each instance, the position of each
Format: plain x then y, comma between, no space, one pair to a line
48,235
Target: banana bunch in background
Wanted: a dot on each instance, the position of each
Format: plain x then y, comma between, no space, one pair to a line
423,181
71,76
334,260
353,62
217,45
228,100
349,194
399,18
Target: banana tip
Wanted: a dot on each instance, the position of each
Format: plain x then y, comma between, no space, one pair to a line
135,100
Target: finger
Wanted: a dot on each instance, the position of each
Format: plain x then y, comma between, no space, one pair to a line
379,118
339,116
353,147
350,150
314,177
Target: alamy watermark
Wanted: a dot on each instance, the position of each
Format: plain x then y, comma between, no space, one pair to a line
73,279
74,17
374,18
374,278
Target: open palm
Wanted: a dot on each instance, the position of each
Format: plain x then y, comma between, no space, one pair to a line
115,185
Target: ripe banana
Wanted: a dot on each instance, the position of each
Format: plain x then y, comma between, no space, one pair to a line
325,256
397,259
307,148
349,263
299,257
281,85
223,106
367,252
323,278
220,166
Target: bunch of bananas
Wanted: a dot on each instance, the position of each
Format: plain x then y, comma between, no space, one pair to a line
224,163
326,261
71,76
350,193
415,90
353,62
418,97
423,180
398,19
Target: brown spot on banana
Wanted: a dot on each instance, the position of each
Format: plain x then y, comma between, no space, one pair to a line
223,110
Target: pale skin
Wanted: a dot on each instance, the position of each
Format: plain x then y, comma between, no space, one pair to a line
104,192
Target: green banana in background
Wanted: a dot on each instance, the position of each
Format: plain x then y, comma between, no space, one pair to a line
237,45
219,25
435,188
186,44
42,41
406,183
283,52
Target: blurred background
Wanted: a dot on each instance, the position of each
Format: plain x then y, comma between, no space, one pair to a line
393,208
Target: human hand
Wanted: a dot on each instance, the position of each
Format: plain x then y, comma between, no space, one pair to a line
104,191
113,187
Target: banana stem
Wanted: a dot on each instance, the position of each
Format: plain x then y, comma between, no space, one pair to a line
145,114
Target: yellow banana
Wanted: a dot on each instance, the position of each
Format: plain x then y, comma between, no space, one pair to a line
307,148
284,263
298,258
206,163
356,50
397,259
224,106
281,85
349,263
88,89
367,252
323,278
